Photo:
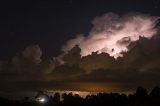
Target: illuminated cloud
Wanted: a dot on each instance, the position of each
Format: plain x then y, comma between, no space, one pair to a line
112,34
85,67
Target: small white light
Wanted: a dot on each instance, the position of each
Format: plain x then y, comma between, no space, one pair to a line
42,100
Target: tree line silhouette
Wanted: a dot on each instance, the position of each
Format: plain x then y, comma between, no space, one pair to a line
140,98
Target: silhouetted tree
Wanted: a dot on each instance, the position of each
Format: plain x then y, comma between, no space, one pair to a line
55,99
155,92
140,98
141,95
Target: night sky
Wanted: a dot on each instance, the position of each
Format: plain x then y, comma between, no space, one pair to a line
50,23
34,48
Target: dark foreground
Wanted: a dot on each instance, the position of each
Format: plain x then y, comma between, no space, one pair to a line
140,98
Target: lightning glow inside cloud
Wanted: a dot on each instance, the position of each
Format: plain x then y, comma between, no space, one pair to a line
112,33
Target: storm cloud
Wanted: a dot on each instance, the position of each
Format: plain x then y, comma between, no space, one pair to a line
112,33
90,63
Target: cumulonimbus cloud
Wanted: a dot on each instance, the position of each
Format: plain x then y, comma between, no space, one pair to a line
112,33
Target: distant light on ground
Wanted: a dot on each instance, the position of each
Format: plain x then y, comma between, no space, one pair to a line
41,97
82,94
42,100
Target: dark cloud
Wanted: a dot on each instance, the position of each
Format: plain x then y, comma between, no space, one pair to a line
23,68
139,66
27,72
